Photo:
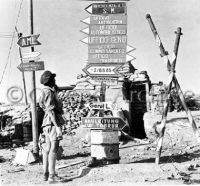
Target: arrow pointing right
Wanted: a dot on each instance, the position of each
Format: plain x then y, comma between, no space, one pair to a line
31,55
130,49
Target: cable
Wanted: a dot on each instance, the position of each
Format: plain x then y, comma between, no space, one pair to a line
10,48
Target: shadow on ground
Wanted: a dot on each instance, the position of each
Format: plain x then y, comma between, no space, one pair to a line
73,156
173,158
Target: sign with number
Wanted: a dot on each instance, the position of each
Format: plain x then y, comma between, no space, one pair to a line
102,70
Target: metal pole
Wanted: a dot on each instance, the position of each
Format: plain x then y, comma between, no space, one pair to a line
33,102
23,77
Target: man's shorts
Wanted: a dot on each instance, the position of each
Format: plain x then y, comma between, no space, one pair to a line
50,133
50,136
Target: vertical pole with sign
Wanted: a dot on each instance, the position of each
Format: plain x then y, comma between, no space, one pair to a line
33,102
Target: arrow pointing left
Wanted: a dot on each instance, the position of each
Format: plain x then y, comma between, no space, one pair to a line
33,66
28,41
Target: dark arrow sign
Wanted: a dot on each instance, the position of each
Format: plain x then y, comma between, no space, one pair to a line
107,8
33,66
28,41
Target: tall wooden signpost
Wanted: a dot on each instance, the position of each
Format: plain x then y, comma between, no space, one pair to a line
32,66
107,52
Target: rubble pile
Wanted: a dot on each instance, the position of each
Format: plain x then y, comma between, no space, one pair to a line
12,120
74,107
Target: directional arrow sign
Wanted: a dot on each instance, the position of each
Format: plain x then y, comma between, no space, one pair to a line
110,49
102,70
30,55
99,30
107,8
109,58
28,41
101,105
33,66
119,19
93,40
130,49
114,123
110,81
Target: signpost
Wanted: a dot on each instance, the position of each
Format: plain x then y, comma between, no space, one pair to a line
110,81
107,8
98,30
101,105
117,19
107,53
108,70
93,40
110,49
114,123
28,41
109,58
35,66
31,56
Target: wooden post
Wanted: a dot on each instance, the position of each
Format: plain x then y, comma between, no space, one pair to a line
23,77
172,78
33,102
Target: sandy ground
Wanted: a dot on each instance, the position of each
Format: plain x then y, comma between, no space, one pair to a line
180,162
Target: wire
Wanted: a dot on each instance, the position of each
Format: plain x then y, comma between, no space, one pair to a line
10,48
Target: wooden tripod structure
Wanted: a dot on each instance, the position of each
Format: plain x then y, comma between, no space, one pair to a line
172,79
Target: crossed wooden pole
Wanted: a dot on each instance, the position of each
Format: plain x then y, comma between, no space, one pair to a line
172,79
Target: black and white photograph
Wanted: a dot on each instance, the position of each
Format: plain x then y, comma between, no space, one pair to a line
99,92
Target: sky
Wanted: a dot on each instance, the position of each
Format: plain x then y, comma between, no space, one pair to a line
59,23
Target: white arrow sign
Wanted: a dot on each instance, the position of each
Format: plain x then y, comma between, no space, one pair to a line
102,70
109,58
102,30
106,20
116,39
101,105
130,49
30,55
110,49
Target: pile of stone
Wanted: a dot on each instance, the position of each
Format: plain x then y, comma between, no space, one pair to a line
12,120
74,107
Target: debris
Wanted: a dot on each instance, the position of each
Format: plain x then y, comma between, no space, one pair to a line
23,157
16,170
191,167
71,164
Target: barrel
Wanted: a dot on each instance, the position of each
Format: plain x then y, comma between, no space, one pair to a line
105,145
27,133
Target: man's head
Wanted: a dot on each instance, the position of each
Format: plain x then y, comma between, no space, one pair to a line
48,78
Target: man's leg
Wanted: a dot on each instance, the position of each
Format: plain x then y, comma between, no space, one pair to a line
52,158
45,154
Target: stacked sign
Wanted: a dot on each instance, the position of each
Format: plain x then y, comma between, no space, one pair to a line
107,39
30,41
